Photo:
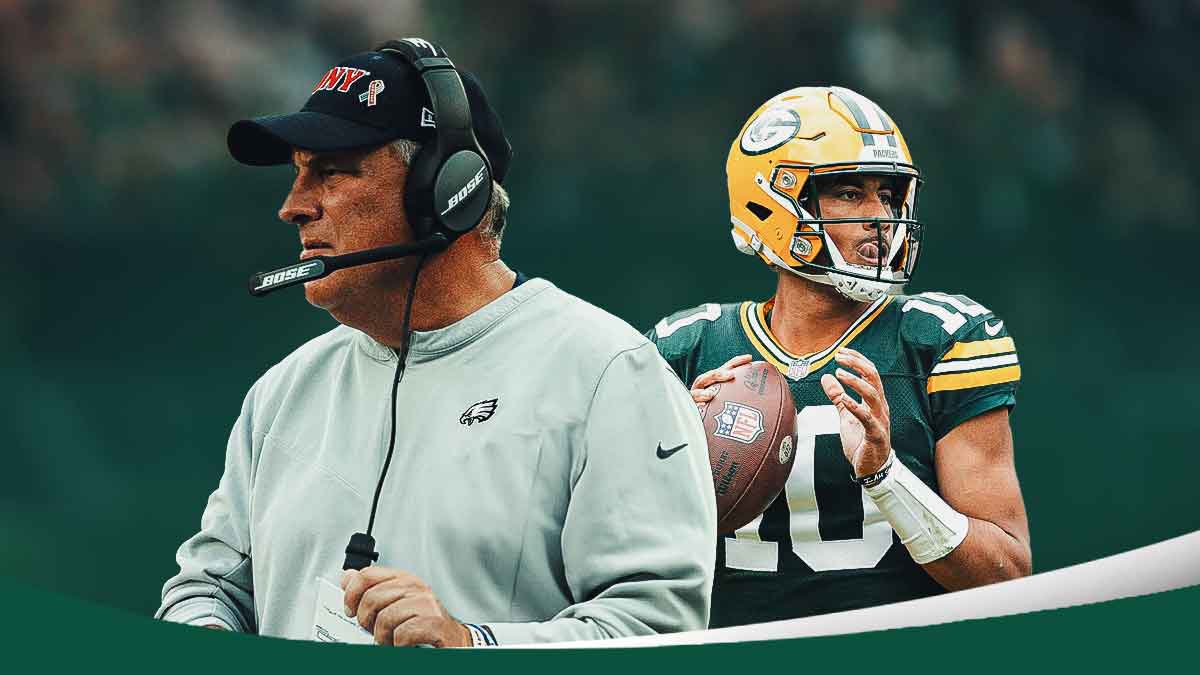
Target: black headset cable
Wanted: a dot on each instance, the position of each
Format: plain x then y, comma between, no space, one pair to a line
360,552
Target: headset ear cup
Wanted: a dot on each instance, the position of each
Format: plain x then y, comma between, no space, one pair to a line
462,191
418,191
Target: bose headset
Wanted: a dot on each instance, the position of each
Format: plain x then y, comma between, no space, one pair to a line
449,183
450,179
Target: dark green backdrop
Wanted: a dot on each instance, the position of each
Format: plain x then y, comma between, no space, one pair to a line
1057,143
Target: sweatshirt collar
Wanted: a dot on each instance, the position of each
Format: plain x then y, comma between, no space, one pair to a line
429,345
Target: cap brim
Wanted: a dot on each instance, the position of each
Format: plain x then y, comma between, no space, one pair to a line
265,141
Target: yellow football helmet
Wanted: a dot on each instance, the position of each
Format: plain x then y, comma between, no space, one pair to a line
791,141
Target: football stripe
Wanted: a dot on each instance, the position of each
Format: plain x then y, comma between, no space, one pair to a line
967,350
980,378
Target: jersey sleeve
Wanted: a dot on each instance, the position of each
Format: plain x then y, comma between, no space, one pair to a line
678,337
967,354
977,371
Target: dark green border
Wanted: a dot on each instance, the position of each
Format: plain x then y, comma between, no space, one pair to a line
48,631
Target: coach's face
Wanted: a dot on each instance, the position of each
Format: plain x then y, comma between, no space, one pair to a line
343,202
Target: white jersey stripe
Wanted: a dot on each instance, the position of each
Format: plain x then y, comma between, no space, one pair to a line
765,337
974,364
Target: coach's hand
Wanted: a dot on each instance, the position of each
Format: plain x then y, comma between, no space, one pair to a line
866,426
702,391
400,609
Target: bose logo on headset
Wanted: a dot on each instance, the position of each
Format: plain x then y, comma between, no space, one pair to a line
301,272
466,190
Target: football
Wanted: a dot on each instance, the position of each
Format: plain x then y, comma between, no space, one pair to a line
751,429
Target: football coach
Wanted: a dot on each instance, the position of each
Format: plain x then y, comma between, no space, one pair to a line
507,463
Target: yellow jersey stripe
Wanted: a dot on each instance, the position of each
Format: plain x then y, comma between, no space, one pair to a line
979,378
744,314
754,316
760,312
758,320
754,323
850,336
966,350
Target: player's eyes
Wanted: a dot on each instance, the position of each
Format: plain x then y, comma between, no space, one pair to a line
891,200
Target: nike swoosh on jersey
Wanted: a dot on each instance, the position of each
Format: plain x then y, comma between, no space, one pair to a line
992,330
663,454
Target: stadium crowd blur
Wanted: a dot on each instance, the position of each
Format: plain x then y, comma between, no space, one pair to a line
1058,142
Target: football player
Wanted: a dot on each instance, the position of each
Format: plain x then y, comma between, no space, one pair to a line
904,484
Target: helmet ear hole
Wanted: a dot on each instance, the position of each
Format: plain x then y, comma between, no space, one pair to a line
758,210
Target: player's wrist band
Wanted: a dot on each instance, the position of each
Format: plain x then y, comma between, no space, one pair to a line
928,527
481,636
873,479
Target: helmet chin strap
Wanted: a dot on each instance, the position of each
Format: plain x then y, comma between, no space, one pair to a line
858,290
861,290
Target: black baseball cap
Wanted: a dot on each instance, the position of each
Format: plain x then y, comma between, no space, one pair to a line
367,99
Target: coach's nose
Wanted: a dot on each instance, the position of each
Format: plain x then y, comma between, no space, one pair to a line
301,205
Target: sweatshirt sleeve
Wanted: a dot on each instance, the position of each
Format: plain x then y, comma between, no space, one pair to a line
638,539
214,584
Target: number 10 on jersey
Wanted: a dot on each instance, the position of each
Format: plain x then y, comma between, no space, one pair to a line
832,523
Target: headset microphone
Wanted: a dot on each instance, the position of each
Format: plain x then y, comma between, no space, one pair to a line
319,267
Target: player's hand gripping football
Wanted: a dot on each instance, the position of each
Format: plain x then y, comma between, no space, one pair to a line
702,391
400,609
866,425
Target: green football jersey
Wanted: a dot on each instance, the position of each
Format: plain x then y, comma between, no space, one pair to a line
822,546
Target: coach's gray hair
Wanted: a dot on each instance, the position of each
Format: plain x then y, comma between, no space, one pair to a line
496,216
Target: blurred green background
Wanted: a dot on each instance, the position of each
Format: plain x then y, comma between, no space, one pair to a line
1058,143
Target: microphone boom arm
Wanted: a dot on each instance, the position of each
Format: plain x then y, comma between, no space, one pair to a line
319,267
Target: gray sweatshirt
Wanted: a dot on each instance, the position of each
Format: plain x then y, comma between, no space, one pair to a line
526,487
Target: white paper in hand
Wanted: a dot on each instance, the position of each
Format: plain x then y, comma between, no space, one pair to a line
330,623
